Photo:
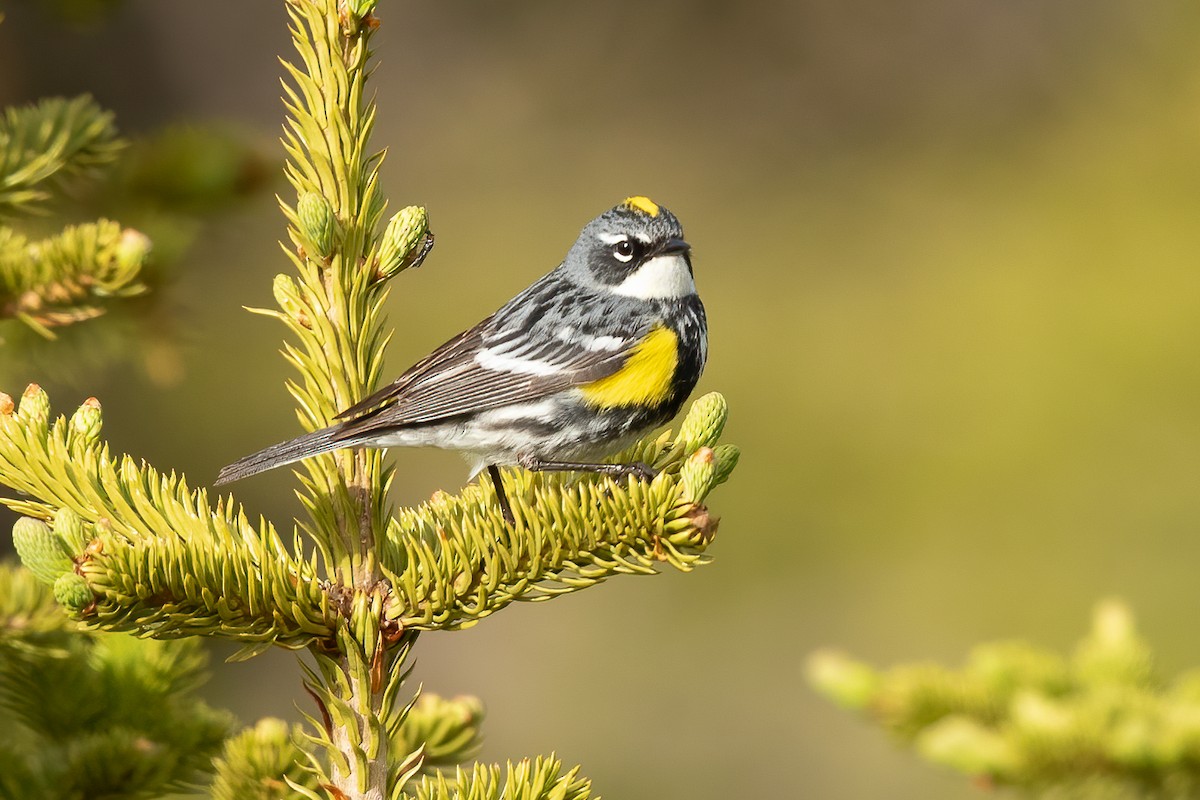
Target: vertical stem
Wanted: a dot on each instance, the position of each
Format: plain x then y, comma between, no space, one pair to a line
332,170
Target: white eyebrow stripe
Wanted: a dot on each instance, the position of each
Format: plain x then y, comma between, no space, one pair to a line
611,238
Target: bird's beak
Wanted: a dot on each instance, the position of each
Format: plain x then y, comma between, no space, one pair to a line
675,246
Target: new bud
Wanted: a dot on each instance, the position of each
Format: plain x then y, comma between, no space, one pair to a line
35,410
132,249
86,423
316,223
405,242
69,529
849,683
698,473
287,295
704,422
40,550
727,456
73,593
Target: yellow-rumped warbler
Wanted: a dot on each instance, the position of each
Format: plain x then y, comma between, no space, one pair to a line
603,348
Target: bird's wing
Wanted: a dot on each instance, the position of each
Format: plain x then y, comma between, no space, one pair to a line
487,367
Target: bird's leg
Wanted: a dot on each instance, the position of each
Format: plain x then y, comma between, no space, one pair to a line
535,464
505,508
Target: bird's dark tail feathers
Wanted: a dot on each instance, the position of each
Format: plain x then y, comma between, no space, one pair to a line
310,444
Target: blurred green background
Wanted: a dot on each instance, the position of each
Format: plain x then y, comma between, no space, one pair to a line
949,250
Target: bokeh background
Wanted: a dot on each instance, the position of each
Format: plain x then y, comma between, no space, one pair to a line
949,252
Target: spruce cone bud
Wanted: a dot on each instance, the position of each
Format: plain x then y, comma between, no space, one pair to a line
849,683
316,223
69,529
287,294
35,409
40,550
698,473
727,458
704,422
132,249
6,405
403,241
73,593
86,423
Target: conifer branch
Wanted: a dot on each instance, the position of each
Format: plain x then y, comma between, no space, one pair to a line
67,277
455,560
1097,723
86,716
540,779
262,762
143,552
47,141
336,307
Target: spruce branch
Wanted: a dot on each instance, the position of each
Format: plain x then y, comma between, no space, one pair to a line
335,309
1097,723
455,560
263,762
540,779
446,730
48,141
154,559
67,277
95,716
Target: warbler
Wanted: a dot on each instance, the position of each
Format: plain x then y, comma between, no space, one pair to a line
598,351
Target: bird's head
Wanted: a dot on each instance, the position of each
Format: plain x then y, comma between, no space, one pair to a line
635,250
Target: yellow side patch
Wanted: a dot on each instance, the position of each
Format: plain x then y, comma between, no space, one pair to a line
646,377
643,204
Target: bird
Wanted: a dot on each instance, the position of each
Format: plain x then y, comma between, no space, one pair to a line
603,348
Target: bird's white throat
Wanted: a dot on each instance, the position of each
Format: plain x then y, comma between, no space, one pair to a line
661,278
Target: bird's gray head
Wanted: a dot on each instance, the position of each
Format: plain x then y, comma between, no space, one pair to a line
636,250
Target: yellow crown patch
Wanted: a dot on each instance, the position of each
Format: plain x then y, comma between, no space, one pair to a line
643,204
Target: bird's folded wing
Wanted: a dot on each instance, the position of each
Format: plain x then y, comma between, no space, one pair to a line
484,368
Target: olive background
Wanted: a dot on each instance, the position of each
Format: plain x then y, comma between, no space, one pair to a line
949,254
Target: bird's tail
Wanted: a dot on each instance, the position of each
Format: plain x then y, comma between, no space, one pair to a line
310,444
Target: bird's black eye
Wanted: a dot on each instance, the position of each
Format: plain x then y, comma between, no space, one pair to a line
625,250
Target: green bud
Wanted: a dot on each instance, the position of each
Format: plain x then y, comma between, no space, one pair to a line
69,529
404,241
132,249
727,458
704,422
1137,740
6,405
73,593
287,295
1004,667
698,473
40,550
1038,717
316,223
35,410
849,683
1113,652
86,423
963,744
